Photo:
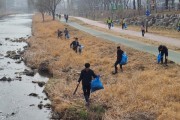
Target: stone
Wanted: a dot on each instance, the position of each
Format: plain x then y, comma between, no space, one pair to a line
33,94
6,79
29,72
7,38
40,83
47,105
40,106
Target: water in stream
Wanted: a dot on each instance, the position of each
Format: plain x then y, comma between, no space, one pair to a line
14,100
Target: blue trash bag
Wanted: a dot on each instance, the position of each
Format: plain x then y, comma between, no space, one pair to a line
125,26
124,59
159,58
96,84
112,24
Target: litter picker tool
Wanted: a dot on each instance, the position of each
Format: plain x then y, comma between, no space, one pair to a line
76,89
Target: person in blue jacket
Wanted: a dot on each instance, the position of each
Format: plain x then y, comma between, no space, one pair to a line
118,60
86,77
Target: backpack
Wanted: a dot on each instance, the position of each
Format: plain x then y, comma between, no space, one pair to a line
124,59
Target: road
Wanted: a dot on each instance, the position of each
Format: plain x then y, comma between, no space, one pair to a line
153,37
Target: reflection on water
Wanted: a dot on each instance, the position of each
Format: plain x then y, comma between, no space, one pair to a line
15,104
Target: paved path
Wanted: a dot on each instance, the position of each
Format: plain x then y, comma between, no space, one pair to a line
174,56
158,38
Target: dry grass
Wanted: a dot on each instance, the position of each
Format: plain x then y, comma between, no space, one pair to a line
144,91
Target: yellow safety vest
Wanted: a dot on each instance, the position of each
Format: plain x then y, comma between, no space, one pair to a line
109,21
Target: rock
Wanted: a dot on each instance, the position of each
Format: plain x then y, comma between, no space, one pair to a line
18,62
41,84
32,105
12,114
13,55
1,69
6,79
47,105
40,106
33,94
29,72
7,38
0,44
44,68
8,62
45,98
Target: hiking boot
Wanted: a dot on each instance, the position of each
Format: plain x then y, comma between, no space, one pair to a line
87,104
114,73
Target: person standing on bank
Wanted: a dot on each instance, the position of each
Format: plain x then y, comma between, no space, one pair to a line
143,29
118,60
123,23
164,51
75,45
86,77
66,33
109,23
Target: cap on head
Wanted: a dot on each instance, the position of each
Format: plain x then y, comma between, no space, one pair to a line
87,65
118,47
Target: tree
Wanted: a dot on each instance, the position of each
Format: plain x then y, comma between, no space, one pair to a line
51,5
134,4
41,6
166,4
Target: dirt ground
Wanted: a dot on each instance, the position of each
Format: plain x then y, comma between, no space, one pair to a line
144,91
134,38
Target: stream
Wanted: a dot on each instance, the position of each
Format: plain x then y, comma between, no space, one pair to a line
15,102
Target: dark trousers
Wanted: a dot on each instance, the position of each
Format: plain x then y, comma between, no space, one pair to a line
123,26
86,90
115,65
143,32
109,25
162,55
75,48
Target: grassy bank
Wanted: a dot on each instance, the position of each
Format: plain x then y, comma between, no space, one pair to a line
145,90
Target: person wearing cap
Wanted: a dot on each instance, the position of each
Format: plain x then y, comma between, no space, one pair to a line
164,51
75,45
118,60
86,77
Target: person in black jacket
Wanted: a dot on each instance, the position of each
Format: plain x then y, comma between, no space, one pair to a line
86,77
118,60
75,45
164,51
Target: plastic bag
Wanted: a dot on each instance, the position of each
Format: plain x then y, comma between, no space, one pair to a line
96,84
124,59
159,58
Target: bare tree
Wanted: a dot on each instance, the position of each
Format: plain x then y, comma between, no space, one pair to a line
166,4
134,4
51,5
41,6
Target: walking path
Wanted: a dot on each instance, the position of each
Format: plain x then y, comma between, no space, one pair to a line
157,38
173,55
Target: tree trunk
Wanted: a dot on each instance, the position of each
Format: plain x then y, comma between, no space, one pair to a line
166,4
134,4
